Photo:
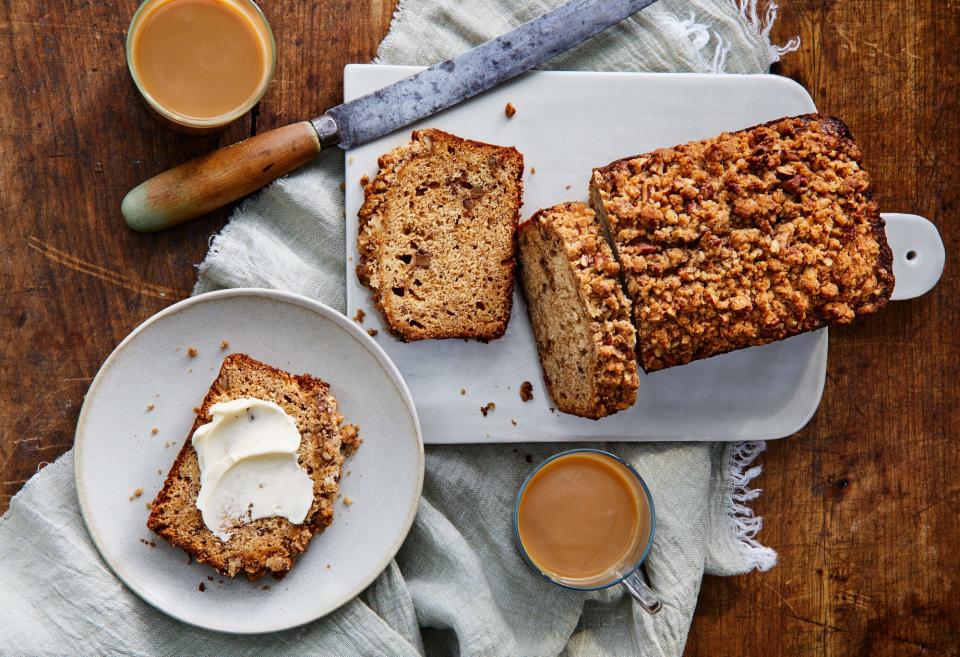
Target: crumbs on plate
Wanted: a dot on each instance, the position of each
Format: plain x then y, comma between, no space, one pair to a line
526,391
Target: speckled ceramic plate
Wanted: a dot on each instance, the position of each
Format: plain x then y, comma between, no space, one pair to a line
118,452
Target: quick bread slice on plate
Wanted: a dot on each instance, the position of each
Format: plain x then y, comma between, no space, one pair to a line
745,238
256,543
436,237
580,315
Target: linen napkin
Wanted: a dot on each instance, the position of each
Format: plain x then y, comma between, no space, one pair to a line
457,586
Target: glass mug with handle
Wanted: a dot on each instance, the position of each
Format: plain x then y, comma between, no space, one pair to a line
584,519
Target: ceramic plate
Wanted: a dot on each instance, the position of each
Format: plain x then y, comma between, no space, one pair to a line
117,453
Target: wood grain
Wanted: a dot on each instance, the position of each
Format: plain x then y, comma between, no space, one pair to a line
861,505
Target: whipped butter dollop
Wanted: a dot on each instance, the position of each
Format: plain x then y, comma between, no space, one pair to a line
248,466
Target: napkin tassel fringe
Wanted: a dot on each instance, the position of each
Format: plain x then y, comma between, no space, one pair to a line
700,36
746,525
750,12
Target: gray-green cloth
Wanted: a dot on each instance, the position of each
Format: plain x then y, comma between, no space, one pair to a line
458,586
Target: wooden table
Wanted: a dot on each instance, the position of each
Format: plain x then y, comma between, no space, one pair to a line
861,505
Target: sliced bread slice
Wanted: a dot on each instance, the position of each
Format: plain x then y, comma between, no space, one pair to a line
436,237
267,545
580,315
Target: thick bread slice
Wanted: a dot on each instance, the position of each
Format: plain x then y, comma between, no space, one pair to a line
745,238
580,315
267,545
436,237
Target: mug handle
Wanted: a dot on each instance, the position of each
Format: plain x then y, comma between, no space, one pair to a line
641,592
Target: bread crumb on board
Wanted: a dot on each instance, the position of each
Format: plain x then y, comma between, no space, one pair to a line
347,500
568,186
509,110
202,587
154,431
192,352
150,407
513,422
533,171
462,391
265,587
137,493
364,180
372,332
224,344
359,316
526,391
486,409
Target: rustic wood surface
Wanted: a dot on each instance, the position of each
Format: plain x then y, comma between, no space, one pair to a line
861,505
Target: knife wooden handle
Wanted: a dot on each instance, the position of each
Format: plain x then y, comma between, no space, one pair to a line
211,181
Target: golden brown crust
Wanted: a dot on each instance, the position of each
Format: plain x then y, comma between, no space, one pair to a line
580,315
745,238
433,196
268,545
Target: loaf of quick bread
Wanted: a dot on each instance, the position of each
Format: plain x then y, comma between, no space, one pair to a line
436,237
580,315
745,238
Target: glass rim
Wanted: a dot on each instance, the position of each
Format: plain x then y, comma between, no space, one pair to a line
643,485
215,121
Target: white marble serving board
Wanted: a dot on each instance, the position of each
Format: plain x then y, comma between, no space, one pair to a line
567,123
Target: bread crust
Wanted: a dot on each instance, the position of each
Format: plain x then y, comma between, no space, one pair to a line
603,309
374,217
745,238
267,545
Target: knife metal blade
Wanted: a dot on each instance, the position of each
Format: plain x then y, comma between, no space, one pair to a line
445,84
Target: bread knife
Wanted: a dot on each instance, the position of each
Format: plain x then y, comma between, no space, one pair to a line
214,180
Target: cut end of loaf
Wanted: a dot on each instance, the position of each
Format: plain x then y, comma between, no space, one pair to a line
268,545
580,315
436,237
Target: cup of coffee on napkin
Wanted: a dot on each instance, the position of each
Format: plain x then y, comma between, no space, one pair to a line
584,519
